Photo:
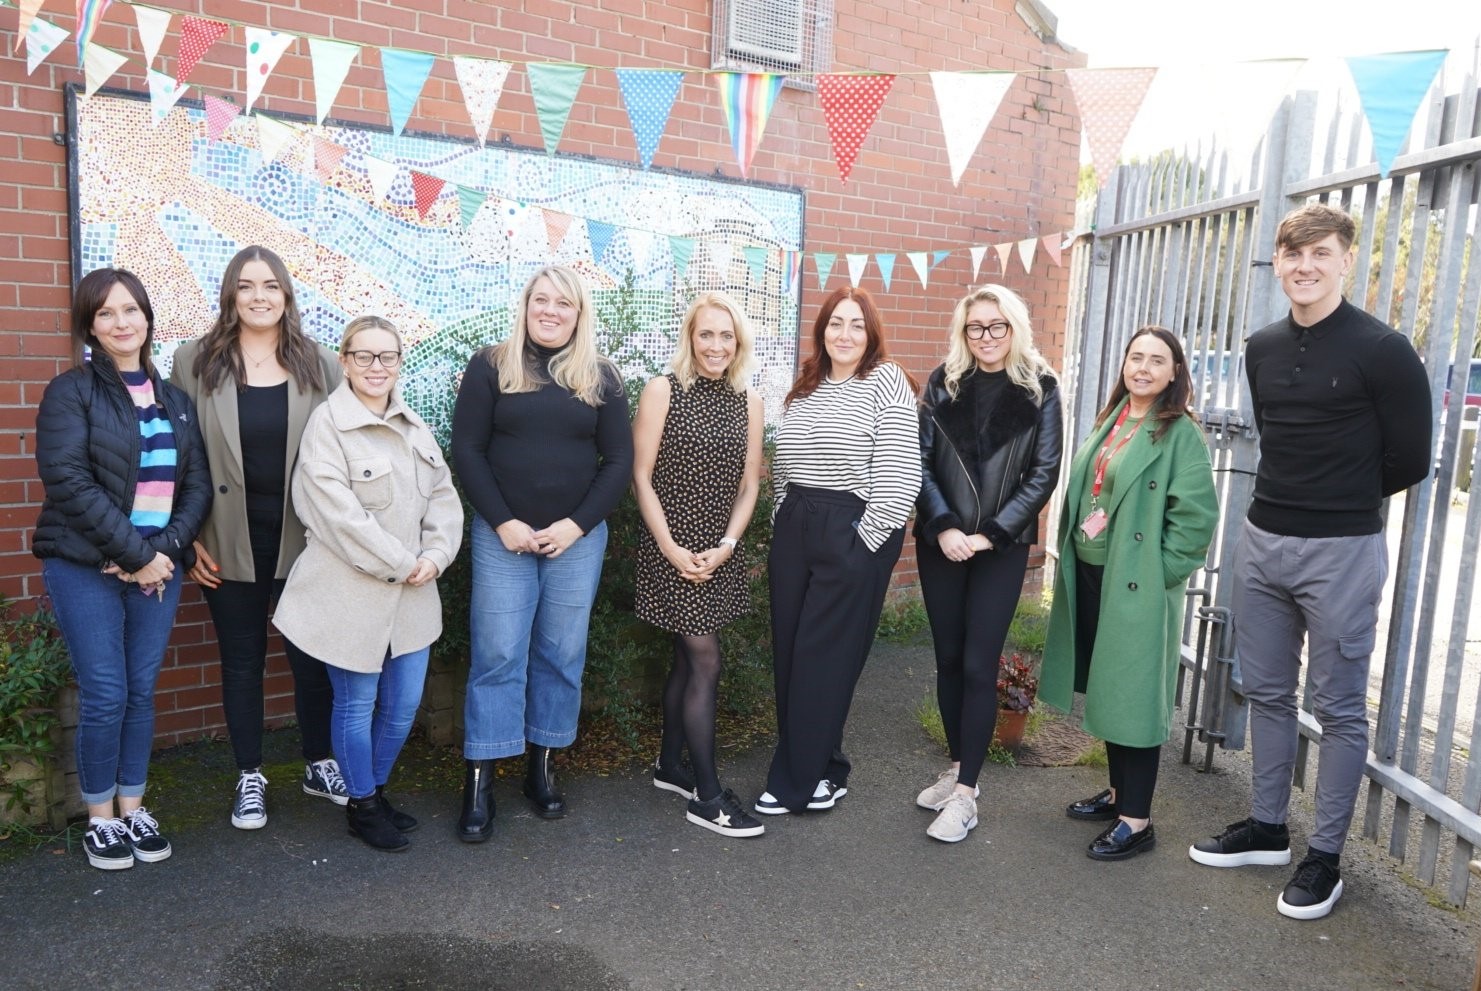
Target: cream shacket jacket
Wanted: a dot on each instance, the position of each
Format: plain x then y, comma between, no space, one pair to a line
375,494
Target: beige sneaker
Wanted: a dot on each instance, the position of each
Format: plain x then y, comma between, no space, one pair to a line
936,796
957,819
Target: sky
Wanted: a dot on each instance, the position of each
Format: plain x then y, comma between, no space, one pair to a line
1206,53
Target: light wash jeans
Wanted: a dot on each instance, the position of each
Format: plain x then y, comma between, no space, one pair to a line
372,717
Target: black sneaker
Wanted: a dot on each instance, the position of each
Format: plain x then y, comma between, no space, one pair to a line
1244,843
826,795
107,844
725,815
678,779
1313,891
144,836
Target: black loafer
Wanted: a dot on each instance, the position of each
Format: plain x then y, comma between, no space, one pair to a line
1096,808
1118,842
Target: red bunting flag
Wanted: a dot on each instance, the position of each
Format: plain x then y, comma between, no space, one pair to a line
197,34
219,115
1052,244
556,225
427,189
327,156
850,104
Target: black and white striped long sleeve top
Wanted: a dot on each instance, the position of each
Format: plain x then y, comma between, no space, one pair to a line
858,436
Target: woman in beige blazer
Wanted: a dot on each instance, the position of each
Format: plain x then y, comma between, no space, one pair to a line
254,378
383,522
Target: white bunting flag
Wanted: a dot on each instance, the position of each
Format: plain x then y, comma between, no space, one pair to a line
99,64
272,137
382,173
153,23
966,103
264,48
331,63
1026,249
979,251
482,81
856,265
920,261
164,93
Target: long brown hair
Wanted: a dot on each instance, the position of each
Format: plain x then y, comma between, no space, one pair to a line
818,365
220,356
1174,400
88,298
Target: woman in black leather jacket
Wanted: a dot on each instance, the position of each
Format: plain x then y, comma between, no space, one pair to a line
127,489
990,438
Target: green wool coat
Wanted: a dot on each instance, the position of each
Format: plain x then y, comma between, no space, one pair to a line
1162,516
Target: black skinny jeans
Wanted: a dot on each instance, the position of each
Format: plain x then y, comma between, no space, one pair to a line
970,605
240,611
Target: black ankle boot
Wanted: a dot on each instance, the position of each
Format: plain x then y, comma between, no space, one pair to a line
540,786
370,822
476,824
400,820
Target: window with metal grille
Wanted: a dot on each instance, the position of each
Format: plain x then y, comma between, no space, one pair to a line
788,36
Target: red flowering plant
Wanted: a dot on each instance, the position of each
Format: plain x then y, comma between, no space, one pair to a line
1018,683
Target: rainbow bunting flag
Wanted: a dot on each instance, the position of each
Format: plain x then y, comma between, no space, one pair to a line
747,98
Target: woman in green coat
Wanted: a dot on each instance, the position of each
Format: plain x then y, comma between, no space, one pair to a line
1139,512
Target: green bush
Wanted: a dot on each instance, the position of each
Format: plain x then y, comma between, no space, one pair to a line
34,667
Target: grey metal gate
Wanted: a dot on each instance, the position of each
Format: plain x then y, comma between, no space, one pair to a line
1180,243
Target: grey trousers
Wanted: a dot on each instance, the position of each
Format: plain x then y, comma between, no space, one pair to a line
1325,590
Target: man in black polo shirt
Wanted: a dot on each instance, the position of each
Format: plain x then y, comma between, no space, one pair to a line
1343,408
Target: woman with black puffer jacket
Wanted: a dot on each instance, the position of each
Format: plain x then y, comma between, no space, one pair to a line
126,491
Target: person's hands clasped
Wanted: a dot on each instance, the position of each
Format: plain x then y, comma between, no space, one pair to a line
687,563
711,560
955,545
424,572
205,570
554,539
518,537
979,542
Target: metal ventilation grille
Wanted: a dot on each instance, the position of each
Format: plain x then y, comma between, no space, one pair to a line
788,36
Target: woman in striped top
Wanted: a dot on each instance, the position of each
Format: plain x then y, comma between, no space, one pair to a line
127,490
845,474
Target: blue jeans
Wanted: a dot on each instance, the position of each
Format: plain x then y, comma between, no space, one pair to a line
372,717
528,622
117,636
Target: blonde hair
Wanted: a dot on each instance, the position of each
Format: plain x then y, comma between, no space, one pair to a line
738,373
369,323
578,368
1025,366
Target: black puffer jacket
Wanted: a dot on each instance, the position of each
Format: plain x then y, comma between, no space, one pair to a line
994,479
87,455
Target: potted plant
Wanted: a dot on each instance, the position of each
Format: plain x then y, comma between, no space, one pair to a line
1018,685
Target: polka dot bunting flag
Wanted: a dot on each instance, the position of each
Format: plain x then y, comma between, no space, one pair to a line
219,115
649,96
42,38
427,188
264,48
197,34
1108,100
850,104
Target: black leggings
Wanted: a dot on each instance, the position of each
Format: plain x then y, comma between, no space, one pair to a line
970,604
689,709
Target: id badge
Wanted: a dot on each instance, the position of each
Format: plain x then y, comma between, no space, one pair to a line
1094,524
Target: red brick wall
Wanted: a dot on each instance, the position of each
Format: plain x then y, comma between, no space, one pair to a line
898,198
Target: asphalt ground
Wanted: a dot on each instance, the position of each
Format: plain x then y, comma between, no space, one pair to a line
624,893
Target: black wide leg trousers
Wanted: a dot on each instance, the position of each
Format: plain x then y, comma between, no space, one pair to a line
827,591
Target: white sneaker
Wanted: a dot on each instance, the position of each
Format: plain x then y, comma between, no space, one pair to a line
826,795
936,796
768,805
958,818
249,808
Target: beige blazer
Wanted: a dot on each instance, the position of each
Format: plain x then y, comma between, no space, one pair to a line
376,495
225,534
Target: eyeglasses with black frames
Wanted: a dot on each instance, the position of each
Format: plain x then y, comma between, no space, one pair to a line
364,359
997,330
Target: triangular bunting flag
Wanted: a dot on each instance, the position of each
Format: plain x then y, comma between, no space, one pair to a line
513,216
1052,247
600,233
382,173
556,225
921,266
219,115
1026,252
886,268
272,137
264,48
197,35
482,82
681,249
406,73
426,188
99,64
640,243
28,10
331,63
1004,250
1391,87
554,86
42,38
747,98
1108,101
164,93
89,16
824,261
153,23
966,103
721,253
469,201
978,251
327,156
756,260
856,265
648,95
791,269
850,104
939,256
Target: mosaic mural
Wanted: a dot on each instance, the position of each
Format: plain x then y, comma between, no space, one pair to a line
164,201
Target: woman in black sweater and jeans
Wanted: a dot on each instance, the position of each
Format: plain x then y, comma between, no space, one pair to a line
543,449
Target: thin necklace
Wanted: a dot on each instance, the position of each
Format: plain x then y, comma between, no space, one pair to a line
256,362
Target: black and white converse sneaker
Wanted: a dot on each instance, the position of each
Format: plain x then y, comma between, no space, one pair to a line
678,779
249,807
107,844
725,815
144,836
322,778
